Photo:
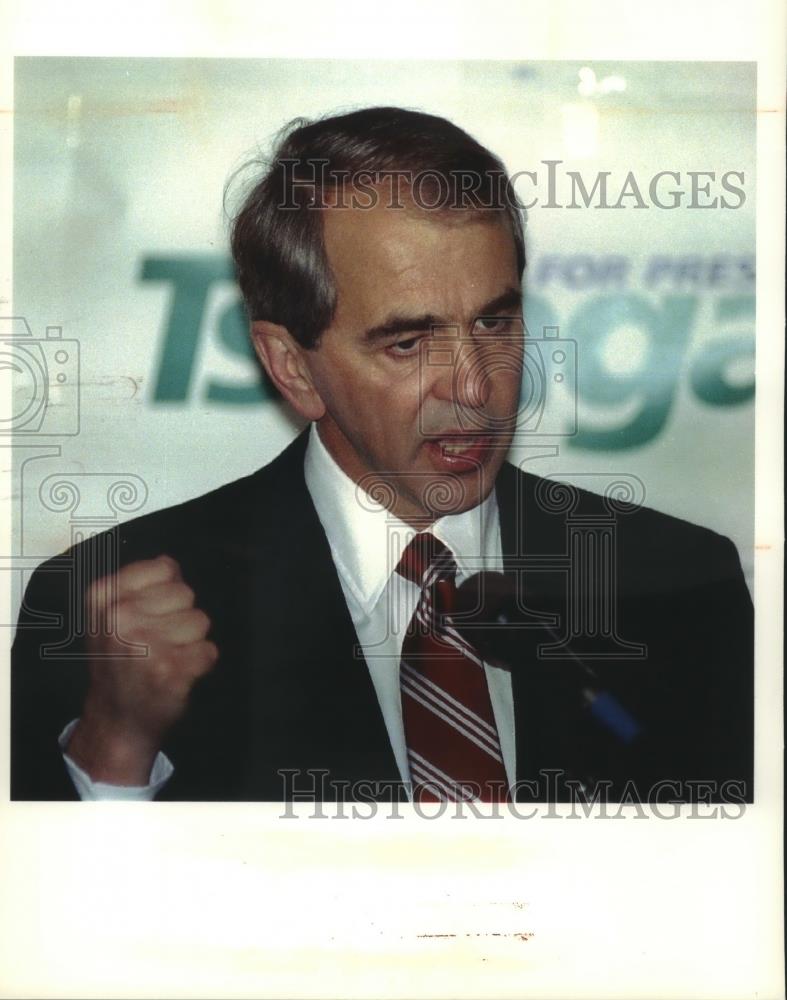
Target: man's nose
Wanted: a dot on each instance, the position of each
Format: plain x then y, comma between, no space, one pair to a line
466,378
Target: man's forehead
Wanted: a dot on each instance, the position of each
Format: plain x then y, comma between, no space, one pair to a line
389,235
403,267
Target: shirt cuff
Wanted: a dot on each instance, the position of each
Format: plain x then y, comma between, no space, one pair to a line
89,790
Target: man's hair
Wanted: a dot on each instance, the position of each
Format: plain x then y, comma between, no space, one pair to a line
277,235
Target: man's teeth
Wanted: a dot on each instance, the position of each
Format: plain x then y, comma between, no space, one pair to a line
454,448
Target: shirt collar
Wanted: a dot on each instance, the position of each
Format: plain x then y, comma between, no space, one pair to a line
367,541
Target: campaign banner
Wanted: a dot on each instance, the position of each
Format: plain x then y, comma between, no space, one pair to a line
128,341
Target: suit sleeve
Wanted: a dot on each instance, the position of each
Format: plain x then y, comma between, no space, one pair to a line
48,681
686,599
724,636
701,705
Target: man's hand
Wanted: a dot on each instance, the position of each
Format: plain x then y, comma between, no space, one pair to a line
133,701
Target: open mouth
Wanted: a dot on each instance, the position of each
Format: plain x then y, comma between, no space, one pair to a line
458,446
455,452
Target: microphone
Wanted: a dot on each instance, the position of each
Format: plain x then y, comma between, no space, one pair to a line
487,616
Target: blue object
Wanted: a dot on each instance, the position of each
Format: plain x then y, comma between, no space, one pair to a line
613,716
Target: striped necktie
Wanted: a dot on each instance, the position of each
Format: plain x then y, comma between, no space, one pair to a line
452,744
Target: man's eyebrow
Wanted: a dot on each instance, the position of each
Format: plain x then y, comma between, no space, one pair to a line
401,324
510,299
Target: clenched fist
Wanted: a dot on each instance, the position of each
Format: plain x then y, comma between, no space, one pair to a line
133,701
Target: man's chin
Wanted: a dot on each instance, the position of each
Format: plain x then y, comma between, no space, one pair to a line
426,493
440,495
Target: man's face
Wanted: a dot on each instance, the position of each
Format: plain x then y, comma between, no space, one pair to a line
419,375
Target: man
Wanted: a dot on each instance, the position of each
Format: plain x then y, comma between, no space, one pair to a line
301,629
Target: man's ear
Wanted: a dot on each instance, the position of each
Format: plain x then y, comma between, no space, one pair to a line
282,358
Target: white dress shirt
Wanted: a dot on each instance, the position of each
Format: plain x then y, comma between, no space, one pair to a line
366,543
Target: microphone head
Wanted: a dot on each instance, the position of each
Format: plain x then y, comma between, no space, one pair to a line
485,607
484,597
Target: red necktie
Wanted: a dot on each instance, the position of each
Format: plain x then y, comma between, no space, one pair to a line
452,744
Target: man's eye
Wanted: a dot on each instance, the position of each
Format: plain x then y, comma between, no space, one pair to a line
496,324
403,348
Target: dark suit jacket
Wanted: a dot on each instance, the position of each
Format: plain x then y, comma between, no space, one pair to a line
288,694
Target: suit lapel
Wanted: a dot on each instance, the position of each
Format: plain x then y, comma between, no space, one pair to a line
327,714
526,530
